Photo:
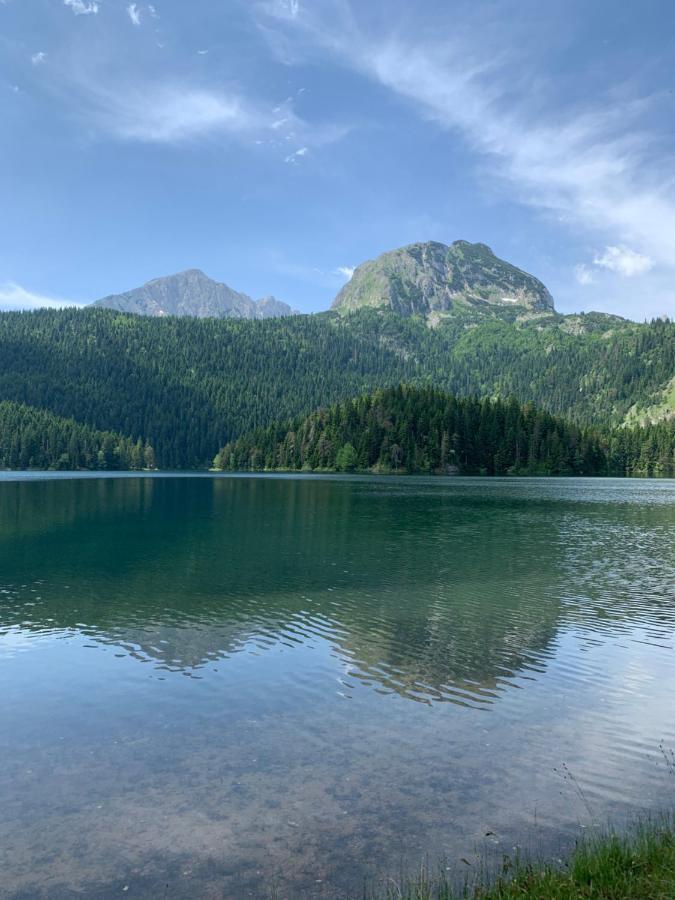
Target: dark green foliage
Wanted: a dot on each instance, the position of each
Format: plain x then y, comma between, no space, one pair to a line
187,385
36,439
408,429
190,385
647,451
588,368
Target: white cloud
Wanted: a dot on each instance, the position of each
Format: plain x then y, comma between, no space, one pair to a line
202,52
82,7
169,113
153,11
13,296
345,271
623,261
134,14
139,106
284,8
583,274
38,58
579,168
172,113
293,157
590,167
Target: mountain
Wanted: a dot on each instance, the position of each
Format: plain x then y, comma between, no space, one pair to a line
192,293
202,364
188,385
433,278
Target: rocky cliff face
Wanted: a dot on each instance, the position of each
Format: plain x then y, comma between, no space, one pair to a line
434,278
192,293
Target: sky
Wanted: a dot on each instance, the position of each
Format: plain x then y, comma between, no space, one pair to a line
276,144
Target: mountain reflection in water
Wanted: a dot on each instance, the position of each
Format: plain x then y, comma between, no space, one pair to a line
282,598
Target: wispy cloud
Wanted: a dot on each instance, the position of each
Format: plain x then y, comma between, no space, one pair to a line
298,154
345,271
171,112
290,8
38,58
134,14
83,7
159,112
619,260
13,296
591,167
159,102
583,274
624,261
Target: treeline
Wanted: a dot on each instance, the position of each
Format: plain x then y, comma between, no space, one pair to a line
189,386
423,430
186,385
36,439
647,451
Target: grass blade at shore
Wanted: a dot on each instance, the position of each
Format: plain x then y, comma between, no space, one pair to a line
639,865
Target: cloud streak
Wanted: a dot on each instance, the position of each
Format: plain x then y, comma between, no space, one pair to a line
583,275
298,154
15,297
82,7
590,167
174,112
170,112
134,14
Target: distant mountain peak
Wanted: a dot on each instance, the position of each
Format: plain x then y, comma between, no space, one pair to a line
193,293
432,277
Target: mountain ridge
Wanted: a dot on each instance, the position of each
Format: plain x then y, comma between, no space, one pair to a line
429,279
202,363
192,293
432,278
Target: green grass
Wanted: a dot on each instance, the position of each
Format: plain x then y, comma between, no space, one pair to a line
637,866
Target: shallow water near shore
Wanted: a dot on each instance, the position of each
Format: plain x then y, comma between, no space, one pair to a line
219,686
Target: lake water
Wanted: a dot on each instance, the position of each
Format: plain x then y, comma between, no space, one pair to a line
221,686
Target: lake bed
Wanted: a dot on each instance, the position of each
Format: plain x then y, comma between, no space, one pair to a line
217,685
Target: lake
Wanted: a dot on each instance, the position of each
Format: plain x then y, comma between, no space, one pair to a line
224,686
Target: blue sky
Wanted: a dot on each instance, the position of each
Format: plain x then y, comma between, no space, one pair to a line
276,144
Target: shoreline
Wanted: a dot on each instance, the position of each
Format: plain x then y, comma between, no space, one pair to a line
636,865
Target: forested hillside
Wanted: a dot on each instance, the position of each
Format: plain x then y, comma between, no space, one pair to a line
36,439
408,430
590,368
188,386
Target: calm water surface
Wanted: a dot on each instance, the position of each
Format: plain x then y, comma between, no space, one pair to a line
211,686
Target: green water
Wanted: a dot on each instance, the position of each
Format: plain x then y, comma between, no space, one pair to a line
213,686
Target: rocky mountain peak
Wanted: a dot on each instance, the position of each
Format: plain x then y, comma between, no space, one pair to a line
431,277
193,293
